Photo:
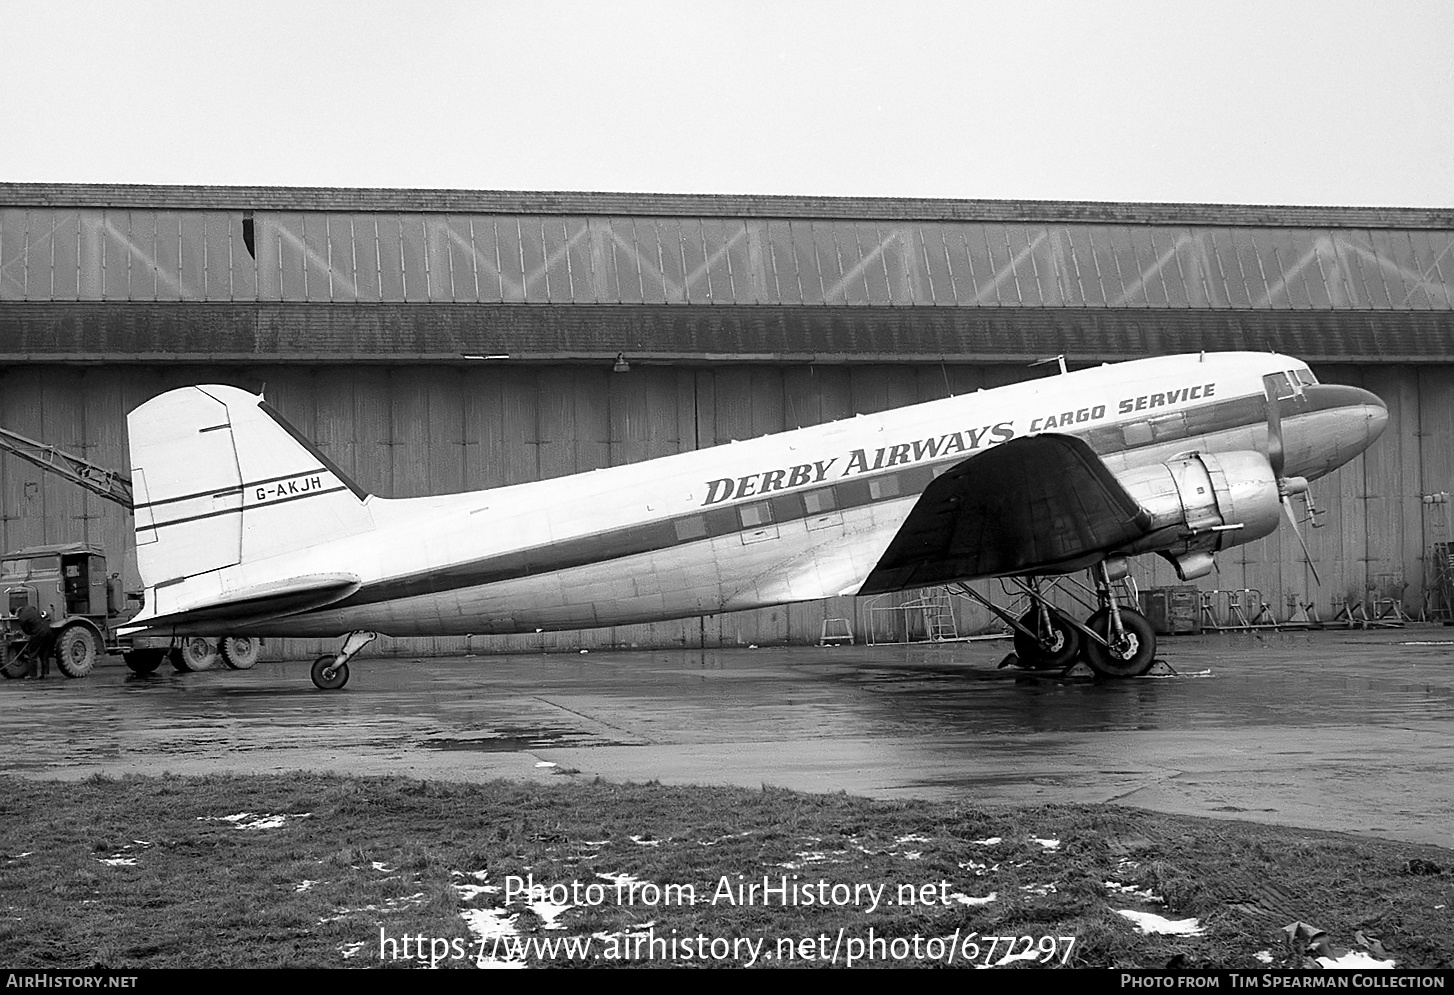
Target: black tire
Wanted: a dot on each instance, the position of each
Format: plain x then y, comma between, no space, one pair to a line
11,667
1134,657
1057,649
326,681
144,661
238,652
198,653
77,650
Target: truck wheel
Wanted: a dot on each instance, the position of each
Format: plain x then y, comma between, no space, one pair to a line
238,652
77,650
198,653
13,667
144,661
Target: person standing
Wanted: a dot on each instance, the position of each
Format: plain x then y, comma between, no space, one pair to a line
35,624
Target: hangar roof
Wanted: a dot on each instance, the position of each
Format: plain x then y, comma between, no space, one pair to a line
389,200
237,273
106,243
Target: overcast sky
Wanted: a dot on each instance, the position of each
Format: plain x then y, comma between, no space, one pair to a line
1347,102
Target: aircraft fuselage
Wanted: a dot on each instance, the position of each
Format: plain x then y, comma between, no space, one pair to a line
800,515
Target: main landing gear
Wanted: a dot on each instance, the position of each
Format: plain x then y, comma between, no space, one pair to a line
330,671
1115,641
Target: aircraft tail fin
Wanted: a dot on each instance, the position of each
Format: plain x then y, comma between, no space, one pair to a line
220,478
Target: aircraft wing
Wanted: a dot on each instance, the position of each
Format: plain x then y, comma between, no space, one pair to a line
1039,504
257,603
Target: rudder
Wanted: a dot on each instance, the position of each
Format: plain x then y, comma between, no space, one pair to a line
221,479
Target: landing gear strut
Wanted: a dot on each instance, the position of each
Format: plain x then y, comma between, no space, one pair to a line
1114,641
1045,639
330,671
1125,643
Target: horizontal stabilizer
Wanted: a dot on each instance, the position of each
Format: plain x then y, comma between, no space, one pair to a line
259,603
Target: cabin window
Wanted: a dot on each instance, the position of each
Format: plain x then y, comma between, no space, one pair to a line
755,515
884,487
817,502
1136,434
691,528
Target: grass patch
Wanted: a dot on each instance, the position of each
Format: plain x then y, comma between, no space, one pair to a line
320,871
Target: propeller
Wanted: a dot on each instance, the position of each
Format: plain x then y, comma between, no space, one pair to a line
1286,486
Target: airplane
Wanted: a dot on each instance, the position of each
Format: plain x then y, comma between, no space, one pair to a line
244,526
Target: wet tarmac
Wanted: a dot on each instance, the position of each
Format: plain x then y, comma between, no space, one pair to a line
1342,730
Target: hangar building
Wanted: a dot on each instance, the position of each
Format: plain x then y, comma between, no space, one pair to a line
438,340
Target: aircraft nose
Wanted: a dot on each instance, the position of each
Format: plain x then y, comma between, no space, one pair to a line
1351,420
1376,415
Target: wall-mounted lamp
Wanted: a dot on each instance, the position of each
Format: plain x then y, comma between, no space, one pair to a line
621,365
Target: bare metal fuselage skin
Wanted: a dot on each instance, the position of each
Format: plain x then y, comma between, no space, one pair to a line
800,515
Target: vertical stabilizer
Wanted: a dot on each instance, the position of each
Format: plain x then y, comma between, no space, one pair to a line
221,479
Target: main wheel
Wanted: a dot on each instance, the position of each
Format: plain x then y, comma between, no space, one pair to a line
1055,647
77,650
198,653
1134,653
327,677
238,652
144,661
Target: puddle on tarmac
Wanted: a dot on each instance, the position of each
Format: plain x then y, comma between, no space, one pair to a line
516,740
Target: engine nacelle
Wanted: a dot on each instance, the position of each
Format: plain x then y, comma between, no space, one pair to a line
1203,503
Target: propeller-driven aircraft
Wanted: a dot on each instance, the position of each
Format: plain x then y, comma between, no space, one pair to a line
244,527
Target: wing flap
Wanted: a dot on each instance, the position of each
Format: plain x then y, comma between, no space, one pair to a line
1040,504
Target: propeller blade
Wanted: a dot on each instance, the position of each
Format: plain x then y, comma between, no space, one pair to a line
1274,435
1307,554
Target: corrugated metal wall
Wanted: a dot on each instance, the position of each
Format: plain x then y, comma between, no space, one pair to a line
418,429
119,254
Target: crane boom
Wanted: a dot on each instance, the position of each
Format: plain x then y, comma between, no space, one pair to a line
109,484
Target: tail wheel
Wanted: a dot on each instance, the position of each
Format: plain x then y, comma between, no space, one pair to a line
1131,655
327,677
197,653
144,661
1056,646
77,650
238,652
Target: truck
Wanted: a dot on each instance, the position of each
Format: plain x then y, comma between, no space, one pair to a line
82,606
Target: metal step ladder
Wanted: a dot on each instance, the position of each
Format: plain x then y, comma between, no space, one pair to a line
939,620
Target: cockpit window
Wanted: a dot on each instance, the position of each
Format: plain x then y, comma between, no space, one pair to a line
1278,385
1304,377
